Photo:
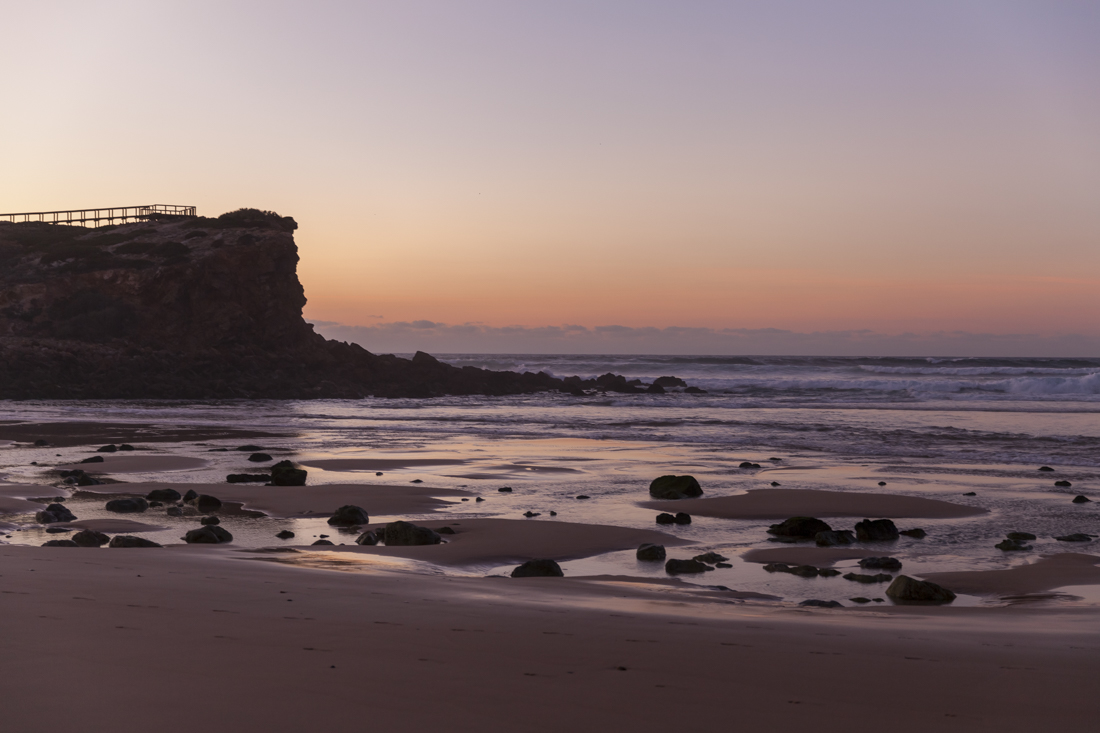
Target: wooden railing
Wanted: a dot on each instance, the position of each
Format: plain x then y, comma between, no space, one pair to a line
98,217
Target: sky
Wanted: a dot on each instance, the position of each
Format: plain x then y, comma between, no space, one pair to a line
623,177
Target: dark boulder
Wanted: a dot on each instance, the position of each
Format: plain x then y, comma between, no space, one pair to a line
190,496
449,530
90,538
285,473
126,446
1021,536
876,530
1075,537
880,563
166,495
861,578
248,448
1063,484
909,589
505,489
834,538
54,513
1045,468
649,552
285,534
665,518
367,538
322,542
59,543
1080,499
175,511
917,534
132,505
675,487
748,464
107,448
682,518
817,603
710,558
694,390
210,520
209,534
537,569
247,478
529,514
405,533
206,503
125,540
1011,545
678,567
260,457
349,515
583,496
669,382
799,527
655,389
93,459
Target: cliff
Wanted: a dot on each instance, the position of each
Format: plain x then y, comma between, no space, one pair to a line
192,309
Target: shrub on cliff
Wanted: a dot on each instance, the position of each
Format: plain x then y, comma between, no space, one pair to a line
247,218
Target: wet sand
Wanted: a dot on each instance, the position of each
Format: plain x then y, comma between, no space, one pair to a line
820,556
188,638
1042,574
379,464
783,503
137,464
68,434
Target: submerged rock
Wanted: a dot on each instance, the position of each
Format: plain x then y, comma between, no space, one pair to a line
649,552
877,578
125,540
1080,499
814,602
876,530
165,495
1021,536
59,543
209,534
1062,484
1011,545
905,588
285,534
1075,537
244,478
132,505
710,558
834,538
259,457
349,515
285,473
538,569
678,567
54,513
90,538
206,503
675,487
799,528
880,563
369,538
405,533
210,520
917,533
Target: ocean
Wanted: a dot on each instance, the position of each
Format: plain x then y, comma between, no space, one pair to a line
971,431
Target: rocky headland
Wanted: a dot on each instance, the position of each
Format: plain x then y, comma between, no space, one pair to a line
197,308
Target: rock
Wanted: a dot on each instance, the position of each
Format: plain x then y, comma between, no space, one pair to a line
530,514
1062,483
175,511
655,389
417,481
802,571
165,495
349,515
367,538
877,578
260,457
917,533
860,599
538,569
584,496
132,505
881,483
206,503
93,459
880,563
190,496
1011,545
970,493
710,558
322,542
665,518
448,530
1075,537
775,483
107,448
669,382
54,513
244,478
814,602
682,518
210,520
827,572
1079,499
39,443
648,552
478,499
905,588
405,533
207,535
58,530
694,390
553,513
1021,536
505,489
678,567
125,540
248,448
90,538
722,565
285,534
285,473
748,464
59,543
876,530
1045,468
126,446
154,504
799,527
675,487
834,538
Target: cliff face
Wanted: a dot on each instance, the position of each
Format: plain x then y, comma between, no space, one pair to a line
189,309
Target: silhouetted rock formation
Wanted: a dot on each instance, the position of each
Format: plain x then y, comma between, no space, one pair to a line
194,309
